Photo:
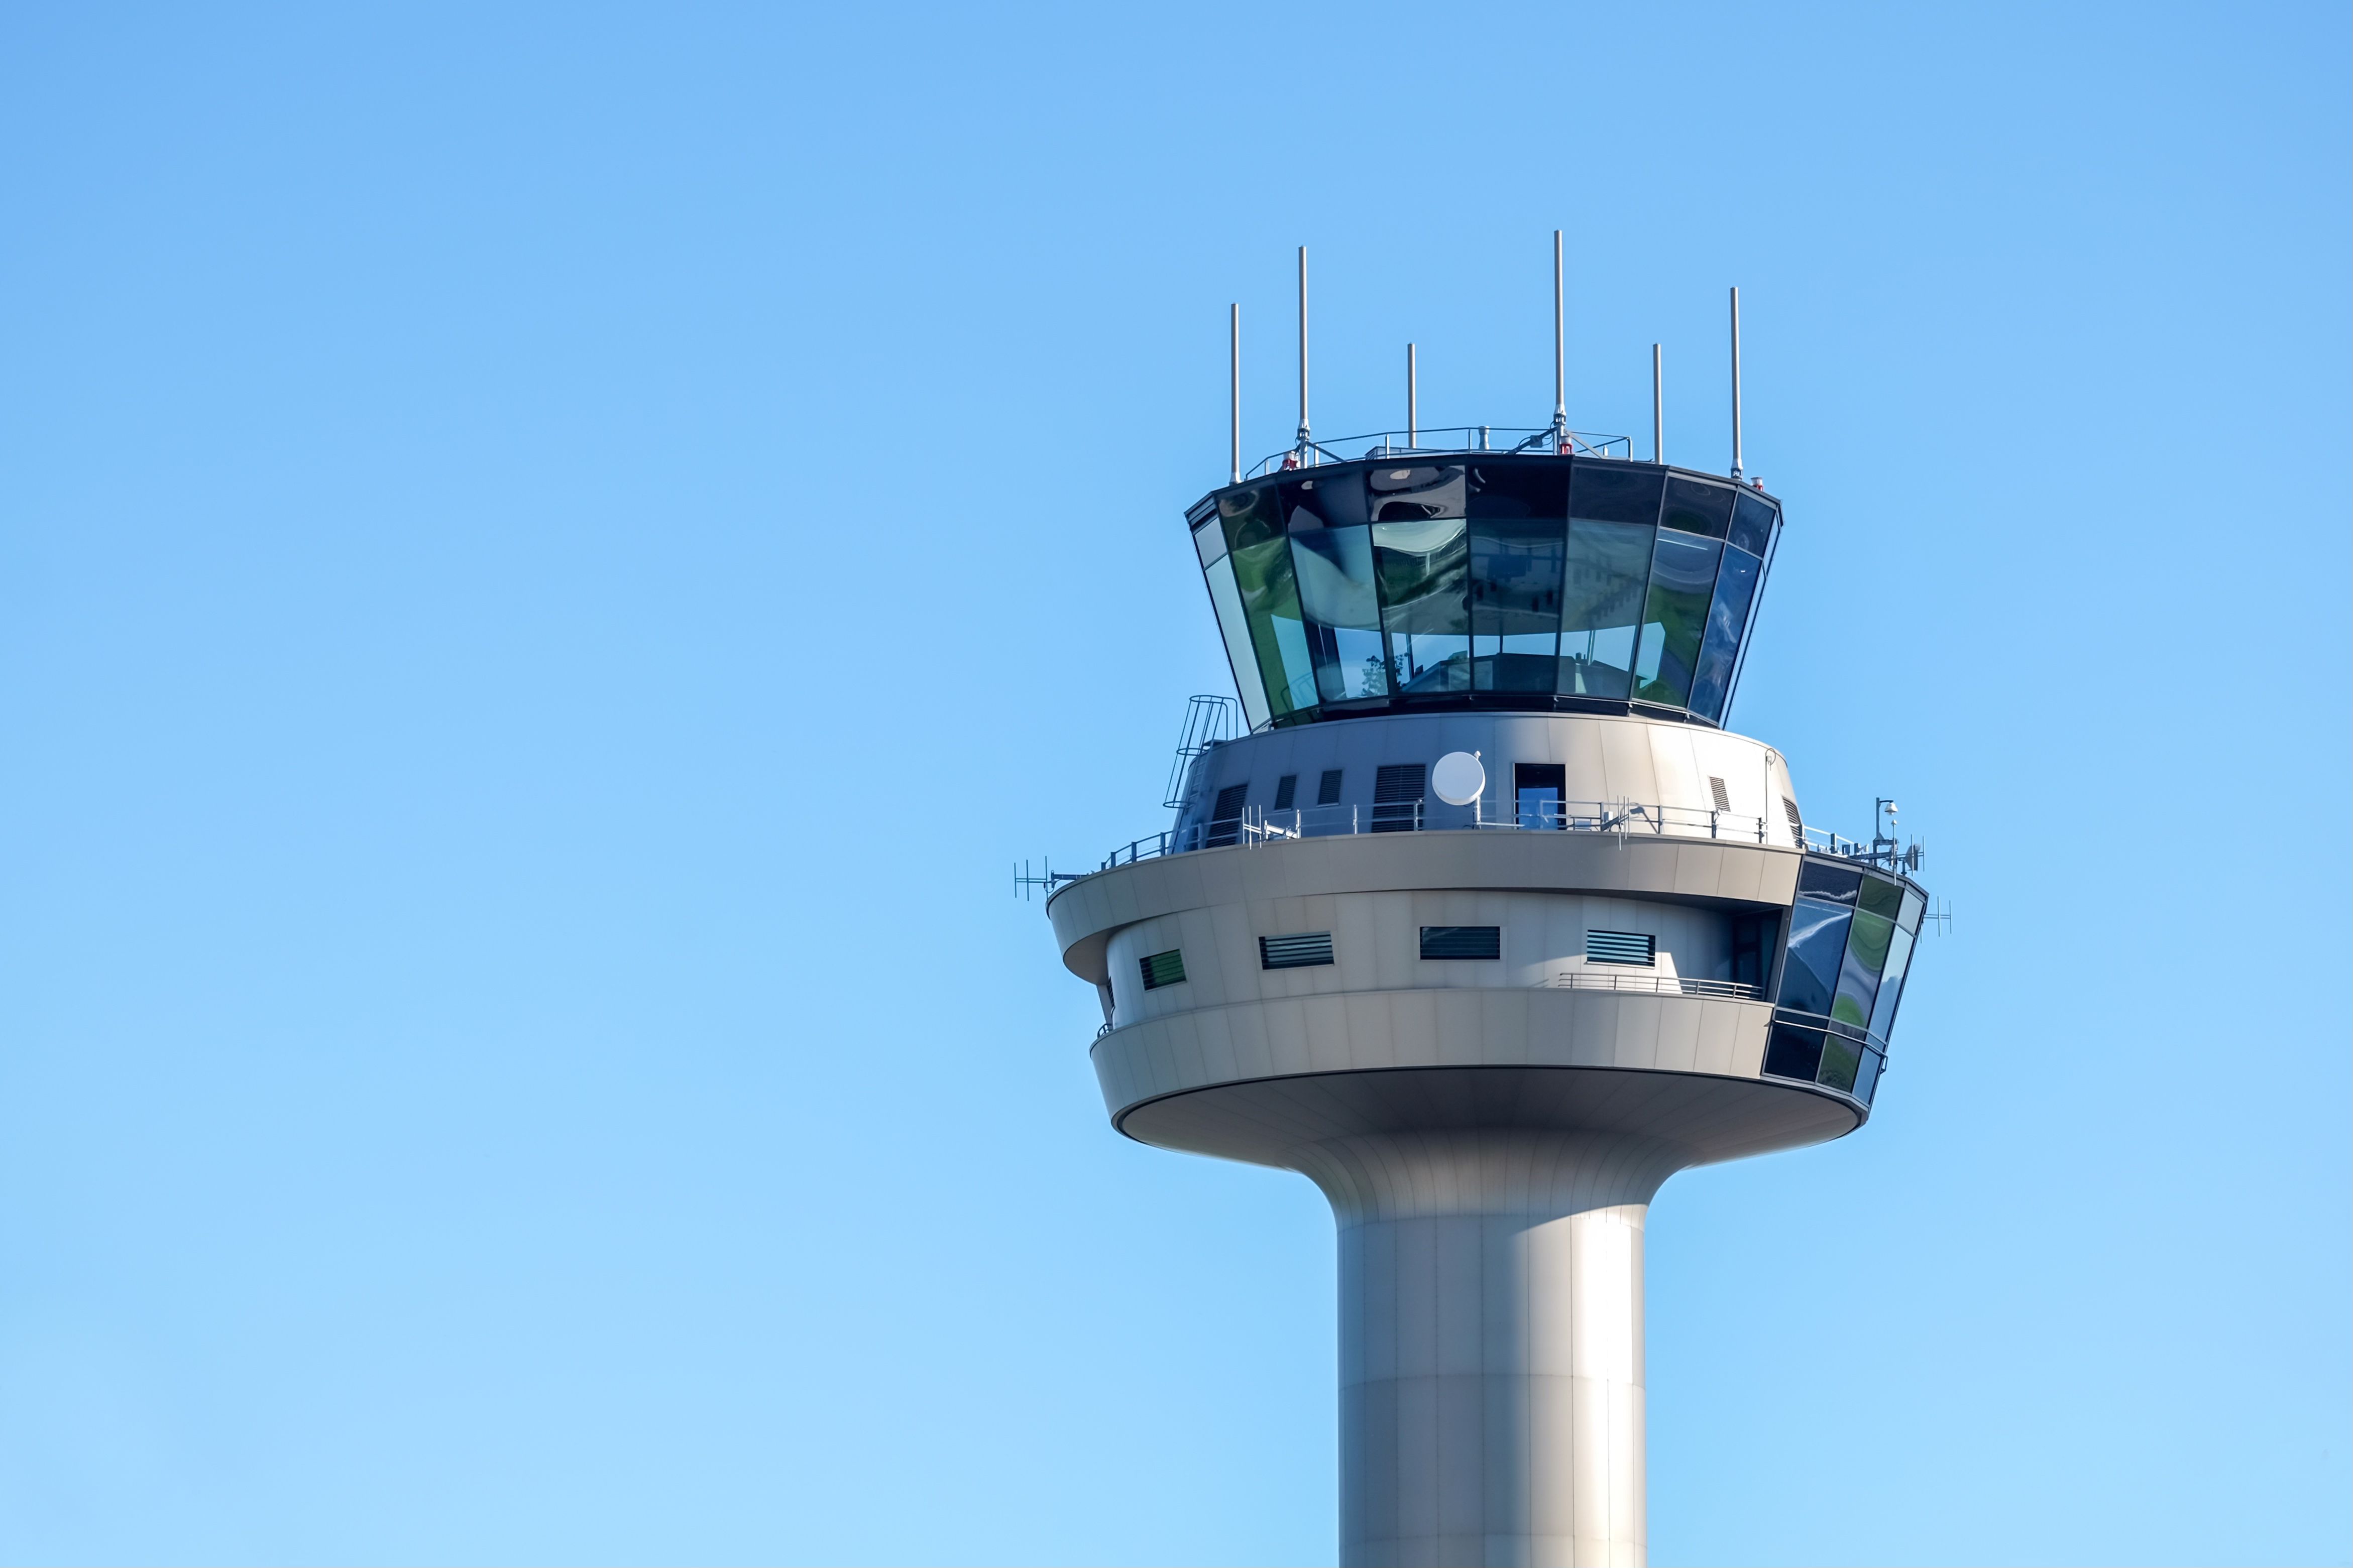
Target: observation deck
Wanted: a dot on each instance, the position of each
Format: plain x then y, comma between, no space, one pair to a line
1417,578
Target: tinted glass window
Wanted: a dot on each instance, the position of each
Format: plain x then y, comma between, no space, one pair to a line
1881,897
1342,611
1696,507
1752,524
1728,617
1235,627
1514,603
1334,500
1820,879
1910,919
1209,541
1250,517
1867,1079
1522,490
1413,494
1817,949
1607,566
1840,1057
1271,602
1792,1052
1682,581
1615,492
1423,569
1891,981
1866,955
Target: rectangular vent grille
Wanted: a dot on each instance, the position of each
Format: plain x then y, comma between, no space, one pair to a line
1723,795
1164,969
1621,947
1286,789
1797,823
1328,791
1462,941
1306,951
1397,797
1226,817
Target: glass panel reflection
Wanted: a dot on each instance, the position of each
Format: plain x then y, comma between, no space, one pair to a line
1891,983
1516,568
1793,1052
1606,565
1342,611
1752,524
1228,602
1683,580
1270,599
1810,974
1840,1057
1520,490
1694,506
1423,569
1867,1079
1728,617
1866,955
1210,542
1824,879
1615,492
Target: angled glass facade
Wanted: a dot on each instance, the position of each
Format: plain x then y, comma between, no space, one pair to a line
1485,580
1850,946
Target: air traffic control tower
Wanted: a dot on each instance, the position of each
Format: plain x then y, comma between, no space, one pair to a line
1486,922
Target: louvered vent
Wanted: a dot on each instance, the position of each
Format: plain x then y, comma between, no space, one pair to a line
1306,951
1286,789
1397,797
1462,941
1797,823
1723,795
1164,969
1328,791
1226,818
1622,947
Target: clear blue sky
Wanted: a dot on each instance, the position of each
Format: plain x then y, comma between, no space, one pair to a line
550,557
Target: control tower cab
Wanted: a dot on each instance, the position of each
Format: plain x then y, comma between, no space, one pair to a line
1487,925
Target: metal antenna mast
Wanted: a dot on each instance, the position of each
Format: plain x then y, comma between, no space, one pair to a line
1658,407
1735,381
1559,354
1234,366
1303,438
1412,408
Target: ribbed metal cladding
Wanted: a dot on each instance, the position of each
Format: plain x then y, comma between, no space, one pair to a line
1306,949
1622,947
1163,969
1226,817
1397,797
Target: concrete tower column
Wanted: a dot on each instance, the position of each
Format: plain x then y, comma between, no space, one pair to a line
1491,1346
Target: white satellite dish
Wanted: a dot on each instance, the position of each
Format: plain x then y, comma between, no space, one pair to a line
1458,778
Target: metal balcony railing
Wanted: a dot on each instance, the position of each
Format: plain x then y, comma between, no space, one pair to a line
1651,985
1445,441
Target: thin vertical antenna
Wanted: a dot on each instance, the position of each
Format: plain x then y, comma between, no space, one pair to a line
1234,366
1302,351
1412,406
1658,406
1735,381
1559,352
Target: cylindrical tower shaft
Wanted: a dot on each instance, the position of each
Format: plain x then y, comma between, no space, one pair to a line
1491,1346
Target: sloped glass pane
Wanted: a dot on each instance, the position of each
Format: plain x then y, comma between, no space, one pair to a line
1605,570
1816,948
1342,611
1840,1057
1423,570
1516,567
1683,580
1615,492
1891,983
1235,627
1696,506
1866,955
1728,617
1270,600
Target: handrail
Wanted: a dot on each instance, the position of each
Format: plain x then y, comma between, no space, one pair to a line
1425,443
1651,985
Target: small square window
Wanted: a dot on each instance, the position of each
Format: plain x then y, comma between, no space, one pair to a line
1328,791
1164,969
1285,788
1462,941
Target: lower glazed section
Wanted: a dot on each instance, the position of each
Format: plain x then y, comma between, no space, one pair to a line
1490,1348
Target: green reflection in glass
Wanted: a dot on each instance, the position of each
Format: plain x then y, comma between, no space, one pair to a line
1840,1057
1882,898
1866,956
1270,599
1683,580
1228,602
1342,611
1600,605
1423,569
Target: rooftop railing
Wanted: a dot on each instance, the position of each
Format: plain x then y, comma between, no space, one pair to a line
1652,984
1451,440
